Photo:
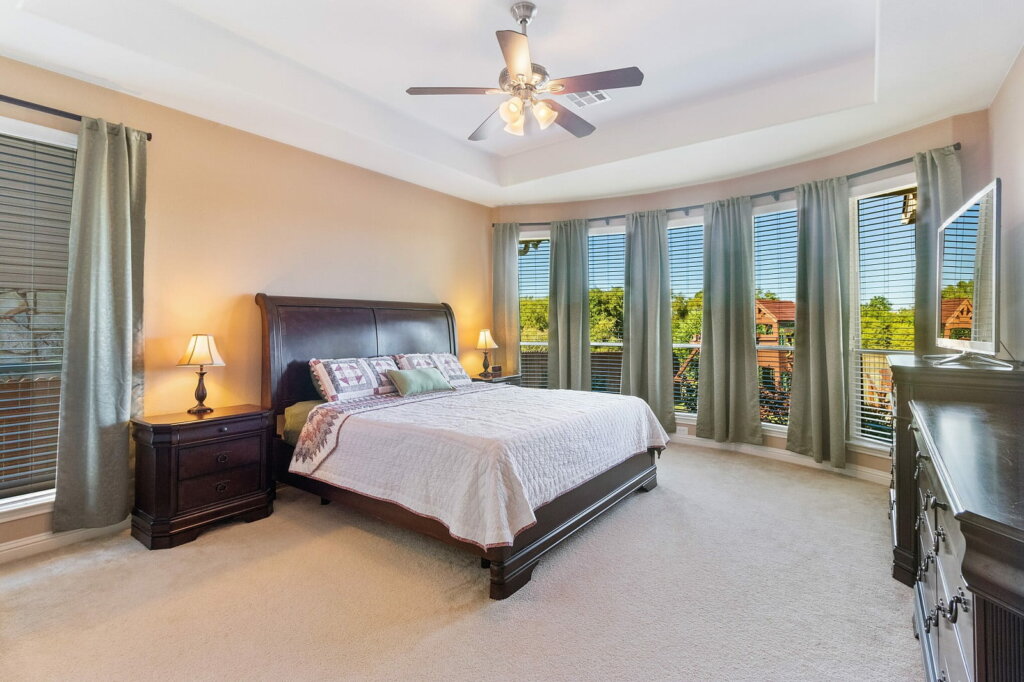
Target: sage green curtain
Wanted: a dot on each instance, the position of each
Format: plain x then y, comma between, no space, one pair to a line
818,411
647,315
101,379
940,193
569,307
505,294
727,398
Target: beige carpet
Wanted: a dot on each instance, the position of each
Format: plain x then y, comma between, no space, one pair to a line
734,568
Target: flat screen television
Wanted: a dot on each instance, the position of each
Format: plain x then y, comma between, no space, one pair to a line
968,281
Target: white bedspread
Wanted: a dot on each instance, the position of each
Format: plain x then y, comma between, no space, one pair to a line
479,459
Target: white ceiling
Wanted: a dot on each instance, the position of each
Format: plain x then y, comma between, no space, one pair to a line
731,86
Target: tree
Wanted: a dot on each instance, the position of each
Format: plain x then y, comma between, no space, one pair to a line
766,295
961,289
687,317
606,312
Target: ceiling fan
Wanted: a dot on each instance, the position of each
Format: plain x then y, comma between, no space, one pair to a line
523,81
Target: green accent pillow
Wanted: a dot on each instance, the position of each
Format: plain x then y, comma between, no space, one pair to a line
416,381
295,418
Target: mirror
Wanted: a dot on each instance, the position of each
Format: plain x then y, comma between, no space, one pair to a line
968,272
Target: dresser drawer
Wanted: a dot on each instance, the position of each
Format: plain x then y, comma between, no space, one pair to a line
219,429
956,626
198,460
203,490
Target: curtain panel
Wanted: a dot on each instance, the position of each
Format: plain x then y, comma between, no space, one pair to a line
505,293
727,397
818,404
647,315
569,307
940,192
101,380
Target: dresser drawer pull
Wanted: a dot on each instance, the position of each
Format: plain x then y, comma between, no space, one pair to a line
929,557
932,619
222,458
919,521
940,534
921,457
935,504
928,497
912,427
221,487
917,472
223,429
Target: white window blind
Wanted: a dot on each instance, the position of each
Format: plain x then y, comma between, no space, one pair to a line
884,315
607,273
775,251
36,182
686,268
534,283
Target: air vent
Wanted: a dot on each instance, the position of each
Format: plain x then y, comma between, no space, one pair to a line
588,98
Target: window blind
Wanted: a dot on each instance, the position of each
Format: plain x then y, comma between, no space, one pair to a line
884,319
534,283
607,276
775,251
686,272
36,182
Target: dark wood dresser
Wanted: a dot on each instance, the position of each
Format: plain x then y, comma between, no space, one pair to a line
191,472
958,516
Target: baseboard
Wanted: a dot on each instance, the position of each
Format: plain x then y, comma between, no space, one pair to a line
45,542
856,471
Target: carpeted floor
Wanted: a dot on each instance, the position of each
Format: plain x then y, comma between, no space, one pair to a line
734,568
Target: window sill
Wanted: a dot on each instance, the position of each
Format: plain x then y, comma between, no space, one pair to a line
24,506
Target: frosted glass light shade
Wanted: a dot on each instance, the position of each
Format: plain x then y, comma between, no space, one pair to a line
544,114
517,126
201,351
486,341
511,109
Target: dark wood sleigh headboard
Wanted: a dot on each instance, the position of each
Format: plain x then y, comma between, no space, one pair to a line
296,330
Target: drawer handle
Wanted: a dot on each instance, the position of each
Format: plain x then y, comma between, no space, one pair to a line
935,504
940,534
921,457
221,487
919,521
917,472
223,429
928,497
929,557
222,458
912,427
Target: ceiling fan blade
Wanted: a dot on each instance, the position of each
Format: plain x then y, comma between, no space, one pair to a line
491,124
454,91
516,50
570,121
629,77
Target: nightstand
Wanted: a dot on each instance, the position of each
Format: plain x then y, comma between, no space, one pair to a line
192,471
514,379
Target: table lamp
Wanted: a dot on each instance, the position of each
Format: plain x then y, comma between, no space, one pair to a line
486,343
201,352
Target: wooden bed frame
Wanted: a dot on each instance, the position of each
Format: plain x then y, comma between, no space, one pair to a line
297,329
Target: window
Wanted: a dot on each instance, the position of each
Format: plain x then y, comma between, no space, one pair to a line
883,319
607,272
36,181
686,268
534,268
775,310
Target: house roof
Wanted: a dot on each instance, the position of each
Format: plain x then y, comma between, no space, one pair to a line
783,311
950,306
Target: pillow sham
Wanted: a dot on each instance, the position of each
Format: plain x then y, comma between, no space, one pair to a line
342,379
380,366
451,368
414,360
419,380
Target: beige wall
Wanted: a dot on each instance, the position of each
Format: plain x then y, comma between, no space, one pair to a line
231,214
971,130
1007,126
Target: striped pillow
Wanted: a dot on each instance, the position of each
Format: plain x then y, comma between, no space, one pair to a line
343,379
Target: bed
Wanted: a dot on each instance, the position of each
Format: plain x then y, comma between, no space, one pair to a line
298,329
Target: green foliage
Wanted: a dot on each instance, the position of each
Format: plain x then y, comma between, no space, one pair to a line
883,328
961,289
687,317
606,309
766,295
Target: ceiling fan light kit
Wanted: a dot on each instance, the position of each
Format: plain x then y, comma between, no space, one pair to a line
523,81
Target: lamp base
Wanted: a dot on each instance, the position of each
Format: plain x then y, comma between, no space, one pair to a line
200,409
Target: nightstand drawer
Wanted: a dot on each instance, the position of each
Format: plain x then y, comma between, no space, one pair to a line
198,460
204,490
218,429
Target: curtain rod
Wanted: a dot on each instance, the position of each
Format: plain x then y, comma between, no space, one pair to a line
47,110
774,193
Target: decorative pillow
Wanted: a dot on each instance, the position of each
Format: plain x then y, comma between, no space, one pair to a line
415,361
421,380
451,368
380,366
342,379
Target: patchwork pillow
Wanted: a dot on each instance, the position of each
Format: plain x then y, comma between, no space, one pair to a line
451,368
380,366
415,361
342,379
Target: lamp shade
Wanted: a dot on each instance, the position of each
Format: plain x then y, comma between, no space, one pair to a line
201,351
486,341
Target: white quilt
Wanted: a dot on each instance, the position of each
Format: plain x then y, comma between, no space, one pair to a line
479,459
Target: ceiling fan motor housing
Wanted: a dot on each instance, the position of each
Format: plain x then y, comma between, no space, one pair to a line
538,83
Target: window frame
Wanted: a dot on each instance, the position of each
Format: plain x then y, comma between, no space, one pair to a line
37,502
